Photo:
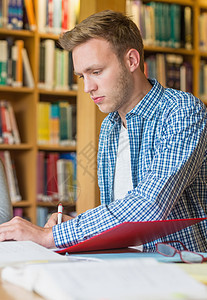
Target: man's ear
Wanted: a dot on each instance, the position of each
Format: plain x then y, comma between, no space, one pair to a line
132,59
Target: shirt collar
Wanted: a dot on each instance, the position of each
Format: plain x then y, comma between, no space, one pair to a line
147,106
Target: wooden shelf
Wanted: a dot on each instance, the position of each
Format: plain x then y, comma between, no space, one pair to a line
203,54
180,2
15,90
55,204
50,36
56,148
17,33
16,147
180,51
71,93
22,203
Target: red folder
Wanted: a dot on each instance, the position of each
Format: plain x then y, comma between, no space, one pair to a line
131,234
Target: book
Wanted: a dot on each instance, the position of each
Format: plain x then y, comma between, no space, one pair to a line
3,62
14,58
19,13
19,64
17,252
14,127
42,11
30,14
202,31
43,124
11,177
130,234
27,71
6,123
40,175
188,27
52,182
54,122
121,277
12,16
65,15
49,63
42,214
65,123
57,16
5,4
18,211
9,130
41,83
10,43
71,156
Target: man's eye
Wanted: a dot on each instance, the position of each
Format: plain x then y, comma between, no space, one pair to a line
80,76
96,72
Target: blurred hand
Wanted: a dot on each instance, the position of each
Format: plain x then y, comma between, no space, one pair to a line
18,229
53,220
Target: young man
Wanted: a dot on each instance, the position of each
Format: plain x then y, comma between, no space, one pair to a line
152,148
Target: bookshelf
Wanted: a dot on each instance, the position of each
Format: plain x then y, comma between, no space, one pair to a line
25,101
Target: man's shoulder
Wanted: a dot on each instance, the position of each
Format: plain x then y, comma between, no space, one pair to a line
180,98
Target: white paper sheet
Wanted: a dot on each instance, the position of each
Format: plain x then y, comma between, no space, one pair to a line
128,279
26,252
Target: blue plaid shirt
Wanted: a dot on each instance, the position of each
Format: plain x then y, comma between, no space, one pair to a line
167,135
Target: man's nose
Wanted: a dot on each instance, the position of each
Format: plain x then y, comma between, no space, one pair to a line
89,85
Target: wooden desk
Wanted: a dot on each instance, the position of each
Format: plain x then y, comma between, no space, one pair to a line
9,291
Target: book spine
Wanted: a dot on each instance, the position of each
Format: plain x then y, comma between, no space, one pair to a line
54,124
3,62
14,55
5,4
30,14
188,28
19,63
10,43
43,123
27,71
57,16
14,127
64,23
49,63
42,12
52,187
10,177
19,8
41,83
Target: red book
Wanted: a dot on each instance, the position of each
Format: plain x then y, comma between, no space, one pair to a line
131,234
6,124
52,189
65,15
40,175
50,15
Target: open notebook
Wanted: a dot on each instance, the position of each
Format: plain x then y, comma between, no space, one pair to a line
131,234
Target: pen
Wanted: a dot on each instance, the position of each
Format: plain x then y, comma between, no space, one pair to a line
60,211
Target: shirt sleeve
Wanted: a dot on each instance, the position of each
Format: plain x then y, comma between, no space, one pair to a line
176,162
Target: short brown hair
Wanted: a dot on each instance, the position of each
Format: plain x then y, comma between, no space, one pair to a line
119,30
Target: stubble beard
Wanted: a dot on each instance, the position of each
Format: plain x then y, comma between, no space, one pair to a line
121,92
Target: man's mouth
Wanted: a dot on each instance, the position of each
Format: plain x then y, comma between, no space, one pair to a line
97,100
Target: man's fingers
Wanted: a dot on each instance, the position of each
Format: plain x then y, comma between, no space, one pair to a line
53,220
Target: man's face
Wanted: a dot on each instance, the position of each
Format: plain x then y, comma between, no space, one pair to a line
108,82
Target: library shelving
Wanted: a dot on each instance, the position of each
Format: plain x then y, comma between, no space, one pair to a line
25,103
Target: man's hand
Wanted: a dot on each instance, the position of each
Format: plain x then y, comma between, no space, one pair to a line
53,220
18,229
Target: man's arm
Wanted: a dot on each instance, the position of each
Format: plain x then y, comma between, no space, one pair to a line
174,167
19,229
